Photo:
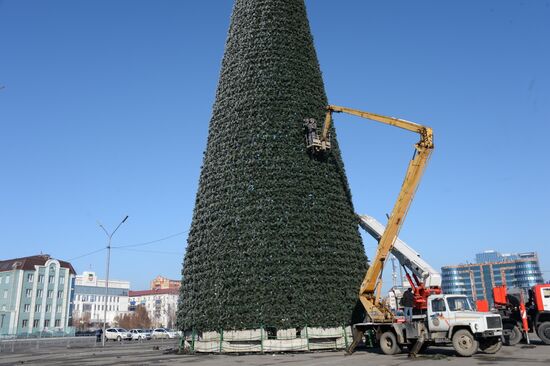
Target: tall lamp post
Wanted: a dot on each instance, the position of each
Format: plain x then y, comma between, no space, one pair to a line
109,236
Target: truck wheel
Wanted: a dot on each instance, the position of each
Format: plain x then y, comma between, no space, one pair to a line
388,343
543,332
515,335
490,346
464,343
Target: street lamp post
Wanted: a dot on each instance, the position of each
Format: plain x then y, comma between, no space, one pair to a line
109,236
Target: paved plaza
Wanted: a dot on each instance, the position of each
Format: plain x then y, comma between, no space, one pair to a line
162,353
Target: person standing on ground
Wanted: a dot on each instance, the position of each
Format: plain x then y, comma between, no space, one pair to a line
408,302
98,334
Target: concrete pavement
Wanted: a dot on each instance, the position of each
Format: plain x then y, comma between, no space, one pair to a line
158,352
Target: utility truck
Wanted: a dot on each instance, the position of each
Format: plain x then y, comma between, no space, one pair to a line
439,319
522,317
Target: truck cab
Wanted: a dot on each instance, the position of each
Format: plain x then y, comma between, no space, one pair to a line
452,318
448,312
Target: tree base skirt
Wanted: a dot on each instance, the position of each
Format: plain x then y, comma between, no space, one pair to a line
260,340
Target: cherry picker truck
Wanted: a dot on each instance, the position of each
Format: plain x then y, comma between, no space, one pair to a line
440,319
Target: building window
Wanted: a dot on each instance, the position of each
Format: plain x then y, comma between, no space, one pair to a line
57,322
7,279
48,308
24,323
35,323
61,281
58,310
50,294
59,294
27,308
47,323
28,292
38,293
51,279
5,294
40,278
30,277
37,308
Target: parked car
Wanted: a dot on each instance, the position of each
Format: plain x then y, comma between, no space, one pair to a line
117,334
139,334
178,333
159,333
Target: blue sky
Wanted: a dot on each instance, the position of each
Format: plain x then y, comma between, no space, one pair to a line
105,107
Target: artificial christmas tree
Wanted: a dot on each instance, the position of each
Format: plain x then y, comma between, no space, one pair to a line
274,239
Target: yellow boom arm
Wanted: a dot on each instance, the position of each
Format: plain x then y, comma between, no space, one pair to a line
367,293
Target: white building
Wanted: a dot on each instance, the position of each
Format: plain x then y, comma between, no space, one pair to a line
89,298
161,305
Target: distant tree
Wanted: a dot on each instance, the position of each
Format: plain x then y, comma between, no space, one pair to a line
171,316
137,319
140,318
81,321
123,321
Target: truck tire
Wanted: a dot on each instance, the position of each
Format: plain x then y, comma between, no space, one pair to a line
388,343
515,335
543,331
464,343
491,345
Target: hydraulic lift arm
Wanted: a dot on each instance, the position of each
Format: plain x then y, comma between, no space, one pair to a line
367,293
407,256
425,279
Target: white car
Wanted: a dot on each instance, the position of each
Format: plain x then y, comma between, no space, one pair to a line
138,334
163,333
117,334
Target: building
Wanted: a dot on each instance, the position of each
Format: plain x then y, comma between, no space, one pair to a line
161,305
163,283
35,295
89,299
492,269
494,256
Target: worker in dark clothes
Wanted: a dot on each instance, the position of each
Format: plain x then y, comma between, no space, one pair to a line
408,302
311,130
98,334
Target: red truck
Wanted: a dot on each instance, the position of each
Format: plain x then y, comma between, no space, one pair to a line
520,317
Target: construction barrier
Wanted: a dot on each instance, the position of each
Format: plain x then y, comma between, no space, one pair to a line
266,339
